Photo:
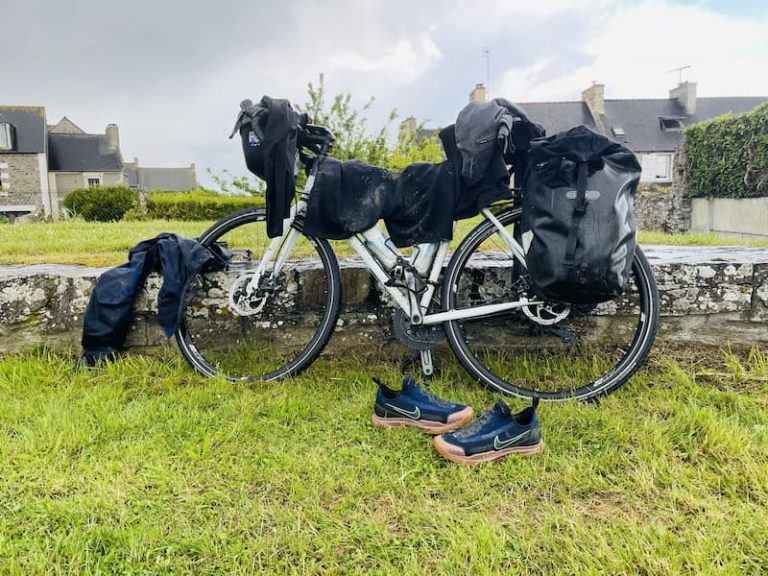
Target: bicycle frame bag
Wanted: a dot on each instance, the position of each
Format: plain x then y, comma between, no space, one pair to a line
578,226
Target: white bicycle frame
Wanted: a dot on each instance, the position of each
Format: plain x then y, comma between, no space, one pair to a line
416,308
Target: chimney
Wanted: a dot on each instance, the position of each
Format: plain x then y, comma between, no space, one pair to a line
685,94
113,136
478,93
409,126
594,98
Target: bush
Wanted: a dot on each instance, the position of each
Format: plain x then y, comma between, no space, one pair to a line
727,155
196,205
101,203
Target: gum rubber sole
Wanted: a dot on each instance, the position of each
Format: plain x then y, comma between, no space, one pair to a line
455,421
443,448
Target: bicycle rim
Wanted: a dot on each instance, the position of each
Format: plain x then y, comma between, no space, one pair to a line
553,355
274,331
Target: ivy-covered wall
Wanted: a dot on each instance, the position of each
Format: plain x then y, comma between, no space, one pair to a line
728,155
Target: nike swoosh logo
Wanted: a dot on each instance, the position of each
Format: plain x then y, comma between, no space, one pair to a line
414,414
499,444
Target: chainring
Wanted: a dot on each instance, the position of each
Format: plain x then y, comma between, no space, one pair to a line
418,337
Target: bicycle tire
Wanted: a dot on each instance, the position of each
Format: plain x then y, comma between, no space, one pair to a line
482,367
255,338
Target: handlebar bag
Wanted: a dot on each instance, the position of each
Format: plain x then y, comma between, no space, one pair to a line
578,225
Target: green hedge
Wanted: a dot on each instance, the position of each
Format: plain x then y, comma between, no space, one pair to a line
101,203
196,205
728,156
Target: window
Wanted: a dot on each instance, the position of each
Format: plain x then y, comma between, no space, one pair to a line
662,166
94,182
656,167
671,123
7,136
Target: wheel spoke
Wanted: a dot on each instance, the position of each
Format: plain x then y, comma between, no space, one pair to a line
551,351
276,328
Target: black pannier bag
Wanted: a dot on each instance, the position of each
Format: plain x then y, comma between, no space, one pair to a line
578,226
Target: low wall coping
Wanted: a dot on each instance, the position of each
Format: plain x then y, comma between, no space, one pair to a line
708,295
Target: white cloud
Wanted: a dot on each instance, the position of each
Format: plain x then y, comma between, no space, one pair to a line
400,63
174,91
634,46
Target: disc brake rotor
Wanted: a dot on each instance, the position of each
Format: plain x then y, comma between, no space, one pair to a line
249,302
547,314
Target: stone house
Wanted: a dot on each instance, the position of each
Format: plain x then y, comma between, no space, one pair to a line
650,127
41,163
78,160
23,160
169,179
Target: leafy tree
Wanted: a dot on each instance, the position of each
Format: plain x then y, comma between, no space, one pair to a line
353,140
237,185
349,126
410,148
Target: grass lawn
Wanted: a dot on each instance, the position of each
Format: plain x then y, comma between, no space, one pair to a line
107,244
145,468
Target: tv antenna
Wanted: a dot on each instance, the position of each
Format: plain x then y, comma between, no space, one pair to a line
486,53
679,73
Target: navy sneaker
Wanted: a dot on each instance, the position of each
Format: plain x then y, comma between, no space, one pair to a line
415,407
497,433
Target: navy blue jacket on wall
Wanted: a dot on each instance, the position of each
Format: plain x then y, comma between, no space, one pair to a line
110,309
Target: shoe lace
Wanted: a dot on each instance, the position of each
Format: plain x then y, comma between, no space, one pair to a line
475,427
435,400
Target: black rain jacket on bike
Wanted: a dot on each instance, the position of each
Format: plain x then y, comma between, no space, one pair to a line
349,197
110,308
420,203
269,142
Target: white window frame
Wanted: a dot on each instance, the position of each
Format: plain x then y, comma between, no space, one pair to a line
92,176
4,179
6,136
656,166
663,166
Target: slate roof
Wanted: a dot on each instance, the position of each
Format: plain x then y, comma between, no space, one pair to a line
638,117
29,122
558,116
170,179
82,153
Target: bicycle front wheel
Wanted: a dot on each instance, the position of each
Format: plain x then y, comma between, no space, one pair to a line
263,331
550,351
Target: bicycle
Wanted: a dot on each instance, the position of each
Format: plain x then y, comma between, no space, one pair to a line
272,310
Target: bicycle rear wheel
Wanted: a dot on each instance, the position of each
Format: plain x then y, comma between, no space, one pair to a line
279,328
553,352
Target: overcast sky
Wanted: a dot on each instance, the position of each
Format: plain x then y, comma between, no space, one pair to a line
171,73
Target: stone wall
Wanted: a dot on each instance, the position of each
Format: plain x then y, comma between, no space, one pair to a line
710,296
662,208
665,208
22,184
